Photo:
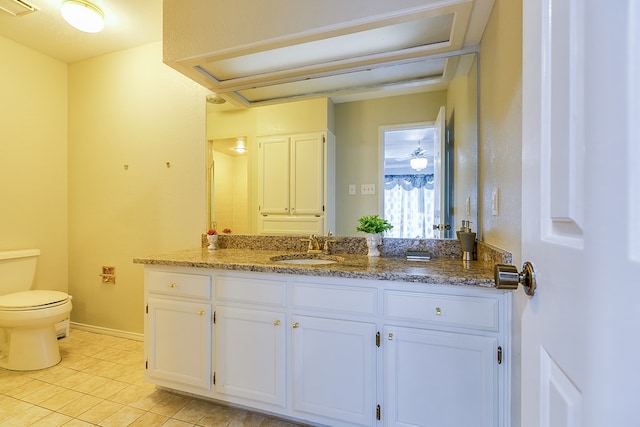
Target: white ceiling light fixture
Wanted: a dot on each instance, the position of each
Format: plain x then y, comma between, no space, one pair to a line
418,163
83,15
240,146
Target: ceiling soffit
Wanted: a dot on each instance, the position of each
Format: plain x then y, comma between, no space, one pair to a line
404,51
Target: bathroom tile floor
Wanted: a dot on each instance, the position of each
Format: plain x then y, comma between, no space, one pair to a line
100,382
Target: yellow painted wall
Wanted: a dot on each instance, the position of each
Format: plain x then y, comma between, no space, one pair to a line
501,152
33,159
501,125
128,108
462,105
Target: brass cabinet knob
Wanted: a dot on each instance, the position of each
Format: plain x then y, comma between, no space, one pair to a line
201,313
172,285
295,325
438,311
276,322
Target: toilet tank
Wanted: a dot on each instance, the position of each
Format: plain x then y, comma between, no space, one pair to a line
17,269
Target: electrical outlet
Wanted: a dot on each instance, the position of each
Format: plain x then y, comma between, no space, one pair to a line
368,189
352,189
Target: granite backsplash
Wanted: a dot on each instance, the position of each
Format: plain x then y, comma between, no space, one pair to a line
436,248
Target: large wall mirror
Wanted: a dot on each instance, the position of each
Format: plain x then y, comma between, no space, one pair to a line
377,134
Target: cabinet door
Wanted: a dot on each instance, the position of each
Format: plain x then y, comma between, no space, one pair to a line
307,174
439,379
250,354
333,369
274,181
179,342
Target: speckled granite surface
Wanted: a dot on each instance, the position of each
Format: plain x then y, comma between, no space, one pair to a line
436,248
438,270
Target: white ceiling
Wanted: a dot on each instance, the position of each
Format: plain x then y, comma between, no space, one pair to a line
128,23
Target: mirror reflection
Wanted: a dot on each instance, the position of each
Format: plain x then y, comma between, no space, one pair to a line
376,139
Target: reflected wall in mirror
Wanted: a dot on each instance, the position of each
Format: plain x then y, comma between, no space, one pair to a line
228,184
358,123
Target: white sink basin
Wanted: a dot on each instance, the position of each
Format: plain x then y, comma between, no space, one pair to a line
306,259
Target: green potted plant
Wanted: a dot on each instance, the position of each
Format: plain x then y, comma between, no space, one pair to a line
373,226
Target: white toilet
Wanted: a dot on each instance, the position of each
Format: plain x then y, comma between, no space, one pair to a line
28,318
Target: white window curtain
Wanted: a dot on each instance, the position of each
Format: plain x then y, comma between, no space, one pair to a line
408,205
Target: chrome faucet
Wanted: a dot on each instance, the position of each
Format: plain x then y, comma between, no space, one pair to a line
314,244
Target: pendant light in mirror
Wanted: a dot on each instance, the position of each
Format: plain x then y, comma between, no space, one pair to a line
418,163
83,15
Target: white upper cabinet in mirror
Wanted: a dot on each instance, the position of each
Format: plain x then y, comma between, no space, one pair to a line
285,49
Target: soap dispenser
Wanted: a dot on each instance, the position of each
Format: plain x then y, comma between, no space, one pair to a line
467,241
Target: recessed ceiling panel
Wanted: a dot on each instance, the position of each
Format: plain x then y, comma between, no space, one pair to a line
419,32
403,74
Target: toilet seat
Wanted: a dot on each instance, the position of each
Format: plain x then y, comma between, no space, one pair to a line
32,300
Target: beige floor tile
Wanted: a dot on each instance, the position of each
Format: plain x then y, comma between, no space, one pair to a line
80,405
169,404
52,420
88,349
25,418
132,359
132,374
12,381
61,399
176,423
73,380
31,387
77,361
78,423
56,373
131,345
103,368
132,393
42,394
194,410
99,412
91,384
149,419
218,416
123,417
109,389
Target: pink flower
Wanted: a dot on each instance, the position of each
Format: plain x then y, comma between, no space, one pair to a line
212,232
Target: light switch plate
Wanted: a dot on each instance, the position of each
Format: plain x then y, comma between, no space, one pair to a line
495,205
368,189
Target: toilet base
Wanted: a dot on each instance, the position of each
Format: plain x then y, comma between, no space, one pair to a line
31,349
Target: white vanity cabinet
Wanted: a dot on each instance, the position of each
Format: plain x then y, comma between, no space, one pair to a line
178,328
443,359
250,344
333,352
293,187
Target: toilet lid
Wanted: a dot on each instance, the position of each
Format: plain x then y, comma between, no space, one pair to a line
30,299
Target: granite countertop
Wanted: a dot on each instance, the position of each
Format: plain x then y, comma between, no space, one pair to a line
445,270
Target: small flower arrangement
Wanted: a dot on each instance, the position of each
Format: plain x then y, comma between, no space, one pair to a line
226,231
373,224
212,232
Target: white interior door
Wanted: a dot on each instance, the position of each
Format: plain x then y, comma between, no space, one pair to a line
581,213
438,173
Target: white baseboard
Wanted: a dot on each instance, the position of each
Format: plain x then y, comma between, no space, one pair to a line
107,331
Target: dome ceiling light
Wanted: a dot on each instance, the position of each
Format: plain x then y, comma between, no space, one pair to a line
83,15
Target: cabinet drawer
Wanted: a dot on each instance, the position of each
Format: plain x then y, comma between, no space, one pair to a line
179,284
459,311
251,291
317,296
